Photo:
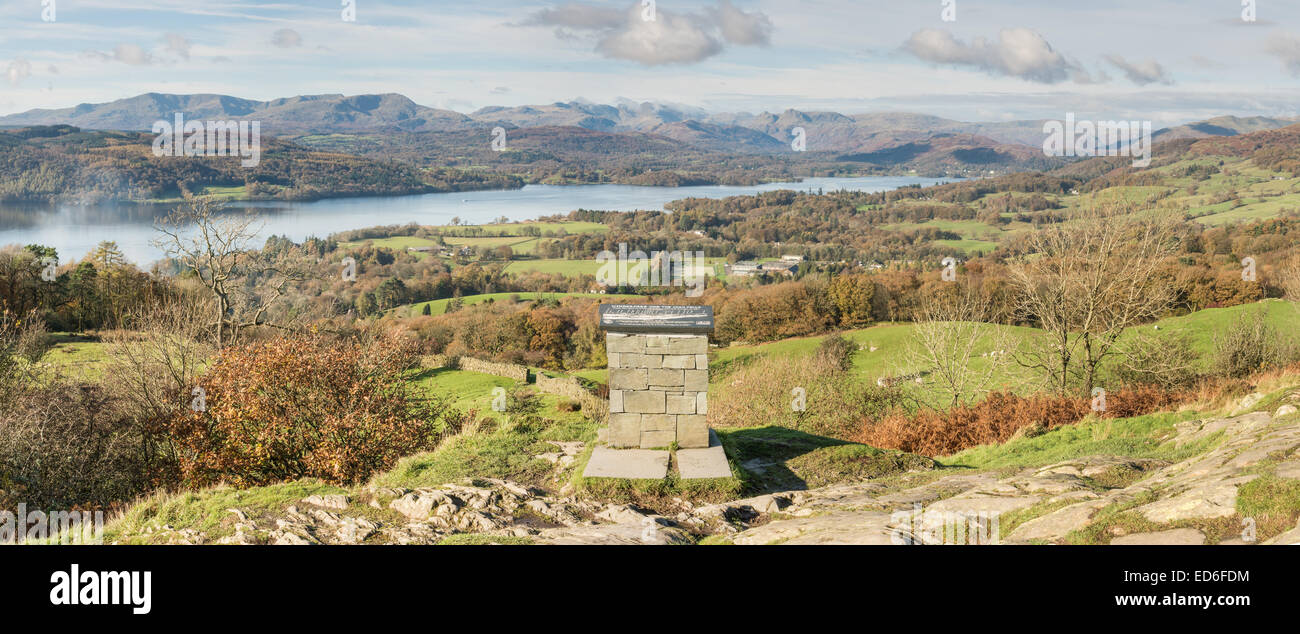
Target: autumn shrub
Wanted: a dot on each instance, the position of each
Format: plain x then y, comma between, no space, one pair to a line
66,446
153,369
836,350
1168,362
23,341
1251,345
306,406
812,394
997,418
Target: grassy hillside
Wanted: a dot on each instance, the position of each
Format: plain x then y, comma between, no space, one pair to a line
523,238
1213,189
892,340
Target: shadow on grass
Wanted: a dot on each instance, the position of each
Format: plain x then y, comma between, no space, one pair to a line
421,373
56,338
763,453
781,459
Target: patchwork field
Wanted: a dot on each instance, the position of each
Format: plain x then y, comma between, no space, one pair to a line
439,306
522,237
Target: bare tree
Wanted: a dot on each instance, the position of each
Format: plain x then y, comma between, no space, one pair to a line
1289,278
1084,281
217,248
1168,361
156,365
950,330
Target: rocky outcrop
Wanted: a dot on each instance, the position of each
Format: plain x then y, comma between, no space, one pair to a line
1048,503
1108,499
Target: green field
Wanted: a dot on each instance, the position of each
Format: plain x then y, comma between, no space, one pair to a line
521,237
567,268
971,229
545,229
892,341
439,306
467,390
78,357
1253,209
969,246
232,192
396,243
517,244
976,236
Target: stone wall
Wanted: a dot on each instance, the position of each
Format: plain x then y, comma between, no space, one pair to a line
658,390
470,364
437,361
571,387
508,370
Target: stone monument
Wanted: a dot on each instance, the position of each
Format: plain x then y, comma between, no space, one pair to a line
658,374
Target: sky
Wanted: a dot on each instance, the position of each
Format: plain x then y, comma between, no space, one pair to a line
1165,61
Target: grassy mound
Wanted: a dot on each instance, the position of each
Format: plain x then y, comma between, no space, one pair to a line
774,458
830,465
506,452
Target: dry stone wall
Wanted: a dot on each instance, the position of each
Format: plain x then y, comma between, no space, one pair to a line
470,364
570,387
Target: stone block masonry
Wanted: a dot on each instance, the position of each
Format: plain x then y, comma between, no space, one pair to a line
658,389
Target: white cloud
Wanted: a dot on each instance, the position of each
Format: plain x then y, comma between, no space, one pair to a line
286,38
1286,48
670,38
18,70
1141,73
178,44
126,53
131,54
1017,53
739,27
579,16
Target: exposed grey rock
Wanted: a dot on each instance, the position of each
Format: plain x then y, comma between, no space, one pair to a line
1202,486
1249,401
287,537
1216,499
767,503
646,532
1058,523
845,527
620,514
1175,537
335,502
1289,470
418,505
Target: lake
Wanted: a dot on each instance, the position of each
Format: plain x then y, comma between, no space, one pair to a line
75,230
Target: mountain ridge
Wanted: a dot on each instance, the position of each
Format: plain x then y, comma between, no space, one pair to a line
727,131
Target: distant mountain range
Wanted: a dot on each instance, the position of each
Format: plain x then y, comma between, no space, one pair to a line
727,132
620,138
312,113
1224,126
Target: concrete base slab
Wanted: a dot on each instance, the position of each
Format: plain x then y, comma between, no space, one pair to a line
709,462
638,464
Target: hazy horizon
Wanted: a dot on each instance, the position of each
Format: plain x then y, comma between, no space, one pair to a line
994,60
